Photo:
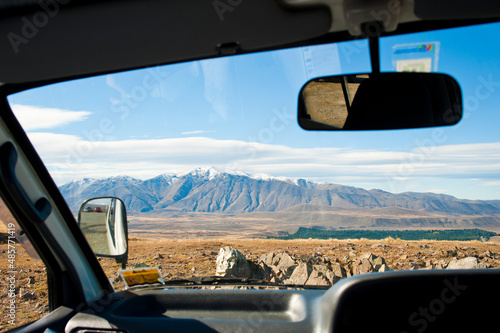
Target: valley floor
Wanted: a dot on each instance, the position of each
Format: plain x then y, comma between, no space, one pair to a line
274,224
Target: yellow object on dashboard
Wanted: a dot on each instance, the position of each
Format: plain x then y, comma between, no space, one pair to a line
140,276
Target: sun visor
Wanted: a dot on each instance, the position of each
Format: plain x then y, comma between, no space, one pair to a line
62,38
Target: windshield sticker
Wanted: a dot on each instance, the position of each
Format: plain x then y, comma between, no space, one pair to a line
321,60
141,276
418,57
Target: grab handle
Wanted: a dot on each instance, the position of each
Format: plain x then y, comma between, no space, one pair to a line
36,213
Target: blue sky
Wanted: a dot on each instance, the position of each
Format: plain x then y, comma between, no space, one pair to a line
239,113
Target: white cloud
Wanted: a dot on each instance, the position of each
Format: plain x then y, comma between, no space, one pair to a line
69,157
35,117
196,132
492,183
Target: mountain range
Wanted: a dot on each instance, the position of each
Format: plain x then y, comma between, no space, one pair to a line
211,190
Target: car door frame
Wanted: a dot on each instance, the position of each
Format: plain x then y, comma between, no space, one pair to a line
67,286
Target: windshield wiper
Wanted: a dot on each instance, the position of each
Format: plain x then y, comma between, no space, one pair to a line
221,280
214,280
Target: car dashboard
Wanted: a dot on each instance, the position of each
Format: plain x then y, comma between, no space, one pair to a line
404,301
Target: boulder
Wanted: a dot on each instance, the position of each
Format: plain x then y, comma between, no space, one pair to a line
331,277
384,268
261,271
466,263
348,270
368,263
296,270
232,263
300,274
377,263
362,266
267,258
322,272
286,265
338,271
276,258
317,278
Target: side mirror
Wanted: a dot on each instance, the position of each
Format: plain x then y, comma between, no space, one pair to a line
103,221
380,101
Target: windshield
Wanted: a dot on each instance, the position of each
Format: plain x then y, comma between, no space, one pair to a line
218,178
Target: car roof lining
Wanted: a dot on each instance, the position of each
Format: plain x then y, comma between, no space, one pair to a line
103,37
80,38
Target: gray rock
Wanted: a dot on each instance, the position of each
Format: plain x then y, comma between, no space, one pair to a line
377,263
362,266
232,263
276,259
267,258
338,271
384,268
331,277
466,263
320,268
286,264
374,260
348,270
321,273
300,274
317,278
261,271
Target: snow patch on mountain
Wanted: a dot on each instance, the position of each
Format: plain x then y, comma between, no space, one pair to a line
208,189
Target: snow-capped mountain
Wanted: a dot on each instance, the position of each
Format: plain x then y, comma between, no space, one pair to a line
212,190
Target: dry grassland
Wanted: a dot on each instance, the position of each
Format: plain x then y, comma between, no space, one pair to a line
180,258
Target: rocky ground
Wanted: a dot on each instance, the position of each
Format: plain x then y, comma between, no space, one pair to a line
294,262
322,261
324,270
328,264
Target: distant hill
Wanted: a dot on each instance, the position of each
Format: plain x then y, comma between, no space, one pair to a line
212,190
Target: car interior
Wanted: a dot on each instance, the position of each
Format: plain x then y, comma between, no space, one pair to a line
46,42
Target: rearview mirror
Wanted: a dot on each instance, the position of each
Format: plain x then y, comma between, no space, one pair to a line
103,221
380,101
